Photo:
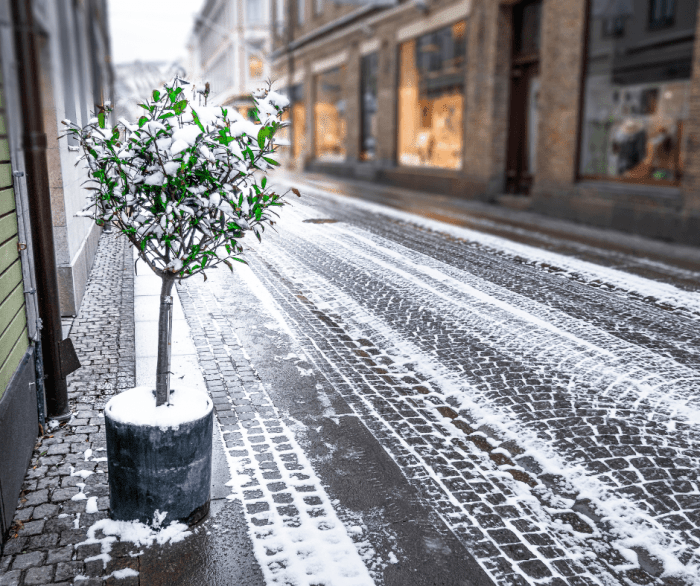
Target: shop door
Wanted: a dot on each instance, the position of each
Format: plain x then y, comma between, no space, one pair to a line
521,163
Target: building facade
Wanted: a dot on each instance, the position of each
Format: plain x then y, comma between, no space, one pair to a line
228,49
54,64
77,76
580,109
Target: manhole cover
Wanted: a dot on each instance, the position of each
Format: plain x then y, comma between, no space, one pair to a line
320,221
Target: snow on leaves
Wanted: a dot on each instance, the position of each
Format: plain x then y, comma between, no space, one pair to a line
183,183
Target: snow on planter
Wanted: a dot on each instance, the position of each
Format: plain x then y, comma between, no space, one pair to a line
137,406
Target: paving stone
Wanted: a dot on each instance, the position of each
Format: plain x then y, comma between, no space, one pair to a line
42,575
28,560
11,578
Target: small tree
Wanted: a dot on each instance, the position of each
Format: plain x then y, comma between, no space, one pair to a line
184,184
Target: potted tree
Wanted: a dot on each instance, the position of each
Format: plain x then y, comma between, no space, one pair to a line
184,184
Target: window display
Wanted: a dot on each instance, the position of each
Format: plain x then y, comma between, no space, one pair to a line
637,89
330,116
431,98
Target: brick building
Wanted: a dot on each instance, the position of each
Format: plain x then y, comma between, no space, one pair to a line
582,109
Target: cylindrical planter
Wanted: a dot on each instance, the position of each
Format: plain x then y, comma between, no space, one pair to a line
159,458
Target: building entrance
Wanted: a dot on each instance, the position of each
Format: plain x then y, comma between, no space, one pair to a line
521,162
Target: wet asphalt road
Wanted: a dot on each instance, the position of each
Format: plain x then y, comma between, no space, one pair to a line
472,402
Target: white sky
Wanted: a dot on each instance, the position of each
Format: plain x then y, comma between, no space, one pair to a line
150,30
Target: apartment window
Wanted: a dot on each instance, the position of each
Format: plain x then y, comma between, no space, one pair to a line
661,13
330,115
255,60
301,12
636,101
255,11
368,105
280,17
431,98
614,27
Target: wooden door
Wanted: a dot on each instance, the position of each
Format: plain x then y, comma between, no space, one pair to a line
521,163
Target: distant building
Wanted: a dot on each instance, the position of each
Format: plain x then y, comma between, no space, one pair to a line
229,48
583,109
134,82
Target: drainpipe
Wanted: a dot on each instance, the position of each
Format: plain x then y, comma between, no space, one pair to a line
34,145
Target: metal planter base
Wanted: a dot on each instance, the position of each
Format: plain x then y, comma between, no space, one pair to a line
154,469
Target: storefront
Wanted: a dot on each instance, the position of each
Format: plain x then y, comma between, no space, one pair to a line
579,109
637,90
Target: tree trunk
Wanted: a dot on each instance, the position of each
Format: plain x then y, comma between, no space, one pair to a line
165,334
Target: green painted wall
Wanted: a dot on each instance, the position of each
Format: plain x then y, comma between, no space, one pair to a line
13,318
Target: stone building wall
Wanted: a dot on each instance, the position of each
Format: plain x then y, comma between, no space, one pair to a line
670,212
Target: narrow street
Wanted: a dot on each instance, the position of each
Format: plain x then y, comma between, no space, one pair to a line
462,406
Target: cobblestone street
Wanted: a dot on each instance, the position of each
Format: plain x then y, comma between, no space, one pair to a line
402,401
540,405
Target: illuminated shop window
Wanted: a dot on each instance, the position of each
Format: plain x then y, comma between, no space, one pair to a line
329,115
431,98
637,90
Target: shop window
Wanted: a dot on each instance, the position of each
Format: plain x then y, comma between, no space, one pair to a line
431,98
637,91
330,116
368,105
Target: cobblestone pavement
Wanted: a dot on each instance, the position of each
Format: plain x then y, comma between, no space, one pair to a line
68,468
404,402
545,412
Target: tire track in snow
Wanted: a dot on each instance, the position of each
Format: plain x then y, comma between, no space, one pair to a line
329,294
297,536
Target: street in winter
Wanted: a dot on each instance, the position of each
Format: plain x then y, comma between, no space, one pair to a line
349,293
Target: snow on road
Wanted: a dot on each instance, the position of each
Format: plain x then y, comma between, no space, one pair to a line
426,314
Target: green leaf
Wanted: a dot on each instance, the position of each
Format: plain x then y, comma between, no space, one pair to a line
270,161
263,182
262,135
142,121
167,115
145,107
101,119
196,119
156,95
239,260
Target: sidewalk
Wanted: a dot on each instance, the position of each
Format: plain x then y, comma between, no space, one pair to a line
66,488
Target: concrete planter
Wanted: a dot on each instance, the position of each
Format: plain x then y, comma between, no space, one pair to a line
163,467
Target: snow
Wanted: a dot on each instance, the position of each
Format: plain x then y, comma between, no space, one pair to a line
518,327
133,532
187,134
663,292
91,505
311,550
137,406
263,295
